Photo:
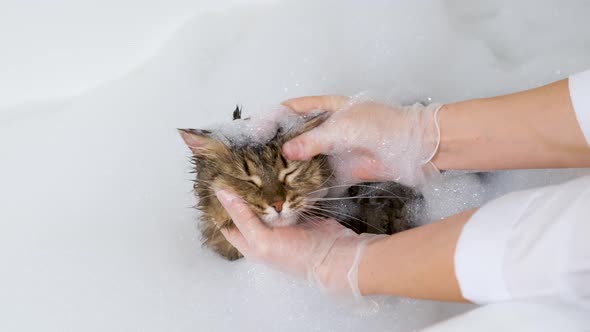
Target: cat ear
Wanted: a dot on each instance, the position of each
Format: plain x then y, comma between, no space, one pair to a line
200,142
311,121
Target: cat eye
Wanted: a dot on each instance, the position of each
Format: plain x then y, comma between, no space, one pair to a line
253,182
253,179
289,173
284,173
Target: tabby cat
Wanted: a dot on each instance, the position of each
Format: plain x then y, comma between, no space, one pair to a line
283,192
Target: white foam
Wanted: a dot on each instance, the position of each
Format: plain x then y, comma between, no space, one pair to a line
258,127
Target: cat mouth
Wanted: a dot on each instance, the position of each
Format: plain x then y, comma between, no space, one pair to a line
279,220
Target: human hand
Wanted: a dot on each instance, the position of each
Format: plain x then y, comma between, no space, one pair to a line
322,251
370,141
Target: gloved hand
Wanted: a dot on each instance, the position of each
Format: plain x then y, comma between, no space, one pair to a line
369,141
322,251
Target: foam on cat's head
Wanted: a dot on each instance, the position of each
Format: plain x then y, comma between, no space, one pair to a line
260,128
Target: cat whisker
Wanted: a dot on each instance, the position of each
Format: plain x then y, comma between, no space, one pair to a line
330,176
353,197
351,185
318,209
316,214
313,218
308,218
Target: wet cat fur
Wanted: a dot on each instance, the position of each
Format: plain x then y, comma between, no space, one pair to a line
275,188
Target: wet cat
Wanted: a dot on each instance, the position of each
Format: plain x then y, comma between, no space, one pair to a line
283,192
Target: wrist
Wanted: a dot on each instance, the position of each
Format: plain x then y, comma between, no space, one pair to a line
368,272
459,132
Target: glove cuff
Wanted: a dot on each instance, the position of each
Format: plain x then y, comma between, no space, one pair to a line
353,273
437,109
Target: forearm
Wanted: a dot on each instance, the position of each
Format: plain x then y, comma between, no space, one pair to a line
530,129
418,263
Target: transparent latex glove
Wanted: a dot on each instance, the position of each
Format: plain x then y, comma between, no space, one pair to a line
323,251
369,141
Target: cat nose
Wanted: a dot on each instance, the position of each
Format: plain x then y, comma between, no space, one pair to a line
278,205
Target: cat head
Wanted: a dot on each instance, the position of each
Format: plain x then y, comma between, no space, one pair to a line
278,190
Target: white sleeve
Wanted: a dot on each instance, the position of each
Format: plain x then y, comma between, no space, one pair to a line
579,86
528,244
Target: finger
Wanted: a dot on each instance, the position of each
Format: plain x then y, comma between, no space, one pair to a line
244,219
367,169
363,174
310,103
308,145
233,236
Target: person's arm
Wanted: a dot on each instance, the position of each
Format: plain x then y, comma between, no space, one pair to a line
417,263
527,244
546,127
531,129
